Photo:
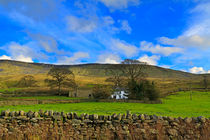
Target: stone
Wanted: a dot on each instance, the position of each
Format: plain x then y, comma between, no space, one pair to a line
147,117
202,119
63,114
86,116
128,115
75,115
134,117
21,113
30,114
141,117
195,119
109,118
128,112
173,132
50,113
76,122
101,117
5,113
34,120
41,113
56,117
160,118
154,117
114,116
23,118
125,127
119,117
188,120
153,131
95,116
123,117
170,119
180,119
143,131
36,114
87,121
46,113
174,124
82,116
17,113
12,113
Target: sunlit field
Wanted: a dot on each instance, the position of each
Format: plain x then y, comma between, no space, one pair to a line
179,104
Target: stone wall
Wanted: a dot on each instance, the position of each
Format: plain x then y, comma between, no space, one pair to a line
46,125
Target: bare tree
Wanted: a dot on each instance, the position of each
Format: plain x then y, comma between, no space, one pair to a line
61,77
126,75
116,76
134,70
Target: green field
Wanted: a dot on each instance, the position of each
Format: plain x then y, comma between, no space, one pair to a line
174,105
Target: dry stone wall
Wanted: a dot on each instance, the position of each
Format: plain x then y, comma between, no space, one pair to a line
49,125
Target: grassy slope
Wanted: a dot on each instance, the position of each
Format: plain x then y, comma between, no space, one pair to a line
174,105
97,70
90,74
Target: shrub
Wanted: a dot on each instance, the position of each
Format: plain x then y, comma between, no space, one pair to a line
151,91
27,81
101,92
143,89
11,84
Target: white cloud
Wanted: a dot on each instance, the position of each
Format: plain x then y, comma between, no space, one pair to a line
120,4
17,58
197,41
108,20
74,59
109,59
198,33
198,70
36,9
23,58
151,60
4,57
124,47
16,50
47,42
81,25
125,26
157,49
20,52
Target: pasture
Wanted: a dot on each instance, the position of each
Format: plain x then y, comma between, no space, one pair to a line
177,105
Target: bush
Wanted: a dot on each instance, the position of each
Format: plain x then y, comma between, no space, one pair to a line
11,84
101,92
142,90
27,81
151,91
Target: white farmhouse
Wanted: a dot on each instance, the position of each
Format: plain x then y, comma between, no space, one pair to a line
119,95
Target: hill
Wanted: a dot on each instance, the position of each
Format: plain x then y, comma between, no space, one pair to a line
8,67
168,80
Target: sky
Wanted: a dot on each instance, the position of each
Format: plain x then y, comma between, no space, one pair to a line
172,34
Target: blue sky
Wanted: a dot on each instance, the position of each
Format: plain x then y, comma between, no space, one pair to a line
173,34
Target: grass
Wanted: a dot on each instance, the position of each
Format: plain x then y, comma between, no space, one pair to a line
174,105
9,90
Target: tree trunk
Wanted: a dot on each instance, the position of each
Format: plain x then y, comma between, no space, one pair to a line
59,89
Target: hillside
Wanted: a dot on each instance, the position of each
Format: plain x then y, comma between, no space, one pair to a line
8,67
87,75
